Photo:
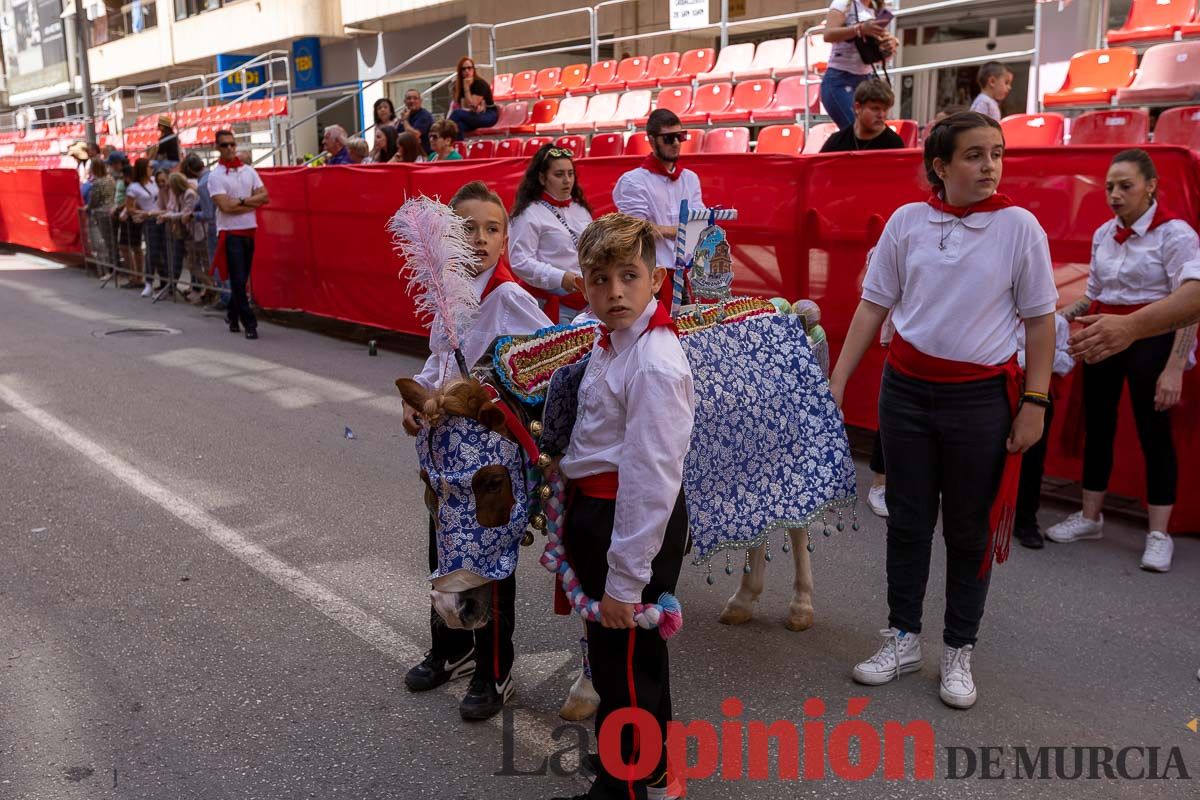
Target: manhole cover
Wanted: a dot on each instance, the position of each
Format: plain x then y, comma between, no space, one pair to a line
139,332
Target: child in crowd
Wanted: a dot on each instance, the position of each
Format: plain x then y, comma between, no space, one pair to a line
505,308
959,273
626,527
995,84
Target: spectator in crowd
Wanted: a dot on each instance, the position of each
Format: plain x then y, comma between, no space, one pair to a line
100,201
995,84
385,144
849,24
358,149
408,148
237,191
79,152
124,222
547,219
442,136
385,113
206,213
157,251
872,100
472,105
414,119
165,154
141,204
187,234
653,190
334,143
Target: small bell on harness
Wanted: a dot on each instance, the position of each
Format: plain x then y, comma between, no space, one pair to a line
545,491
538,521
535,428
527,539
543,460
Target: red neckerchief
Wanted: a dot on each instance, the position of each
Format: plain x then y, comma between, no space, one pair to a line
661,318
231,164
554,201
1161,216
994,203
502,274
654,165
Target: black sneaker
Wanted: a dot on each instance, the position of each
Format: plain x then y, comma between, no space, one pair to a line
235,328
433,672
1030,537
485,697
252,333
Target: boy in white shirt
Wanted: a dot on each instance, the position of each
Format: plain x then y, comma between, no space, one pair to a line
626,528
995,84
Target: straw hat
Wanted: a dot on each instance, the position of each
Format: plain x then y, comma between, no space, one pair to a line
78,151
164,121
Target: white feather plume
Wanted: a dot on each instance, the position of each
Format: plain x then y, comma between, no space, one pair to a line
432,240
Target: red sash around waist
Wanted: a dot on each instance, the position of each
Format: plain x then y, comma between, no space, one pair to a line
909,361
220,264
601,487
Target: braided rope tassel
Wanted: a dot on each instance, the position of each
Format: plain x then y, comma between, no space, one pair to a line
666,614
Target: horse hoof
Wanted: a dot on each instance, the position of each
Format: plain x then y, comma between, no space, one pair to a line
799,620
735,615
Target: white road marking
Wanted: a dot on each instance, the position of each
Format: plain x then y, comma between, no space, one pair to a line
530,731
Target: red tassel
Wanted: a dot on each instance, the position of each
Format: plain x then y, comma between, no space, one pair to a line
1003,515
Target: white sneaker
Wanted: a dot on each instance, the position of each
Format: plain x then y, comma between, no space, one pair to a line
899,653
876,500
957,688
1076,528
1160,547
149,290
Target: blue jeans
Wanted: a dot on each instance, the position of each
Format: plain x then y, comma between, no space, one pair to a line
837,93
468,121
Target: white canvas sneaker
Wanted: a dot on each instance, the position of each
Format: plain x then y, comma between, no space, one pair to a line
149,290
899,653
1076,528
1160,548
957,688
876,500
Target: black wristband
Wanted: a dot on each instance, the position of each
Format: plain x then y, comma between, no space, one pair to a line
1036,400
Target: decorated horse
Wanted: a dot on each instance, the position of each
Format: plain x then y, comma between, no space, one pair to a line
768,455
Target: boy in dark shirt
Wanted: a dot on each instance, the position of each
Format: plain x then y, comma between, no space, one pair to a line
872,99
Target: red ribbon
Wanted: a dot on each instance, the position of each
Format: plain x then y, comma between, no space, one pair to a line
994,203
654,165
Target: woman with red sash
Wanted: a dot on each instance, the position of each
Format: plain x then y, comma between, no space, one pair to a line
959,273
1137,259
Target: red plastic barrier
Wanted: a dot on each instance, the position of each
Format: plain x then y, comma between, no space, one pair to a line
38,209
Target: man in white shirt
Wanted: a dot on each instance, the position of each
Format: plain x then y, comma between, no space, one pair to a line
237,191
654,190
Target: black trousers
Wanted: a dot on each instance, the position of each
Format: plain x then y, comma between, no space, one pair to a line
1140,365
239,255
630,668
1033,466
943,442
493,643
878,465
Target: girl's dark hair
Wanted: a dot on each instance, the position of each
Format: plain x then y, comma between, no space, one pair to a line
409,146
390,144
383,101
141,170
531,185
943,139
1141,159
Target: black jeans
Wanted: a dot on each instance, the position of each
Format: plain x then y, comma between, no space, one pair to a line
1141,365
943,441
878,464
239,255
629,667
1033,466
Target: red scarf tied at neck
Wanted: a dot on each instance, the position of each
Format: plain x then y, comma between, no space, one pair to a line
554,201
661,318
994,203
231,164
1161,216
502,274
654,165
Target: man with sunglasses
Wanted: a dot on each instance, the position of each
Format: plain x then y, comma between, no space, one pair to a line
653,191
237,191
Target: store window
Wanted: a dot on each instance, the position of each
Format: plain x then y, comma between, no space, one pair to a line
190,8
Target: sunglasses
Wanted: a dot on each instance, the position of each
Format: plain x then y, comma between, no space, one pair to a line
560,152
468,69
673,138
226,144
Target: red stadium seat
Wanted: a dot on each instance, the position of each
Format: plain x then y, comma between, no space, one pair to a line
1190,29
508,148
678,100
727,140
906,129
547,81
1169,73
481,148
1032,130
747,97
524,85
692,63
1112,126
570,113
732,58
543,111
607,144
600,73
534,143
785,140
576,144
1154,19
707,100
1094,77
818,57
571,78
630,69
637,145
819,134
694,142
461,147
632,105
788,102
660,66
510,118
771,55
502,87
1179,126
279,106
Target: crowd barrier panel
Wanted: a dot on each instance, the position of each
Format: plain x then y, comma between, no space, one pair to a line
38,209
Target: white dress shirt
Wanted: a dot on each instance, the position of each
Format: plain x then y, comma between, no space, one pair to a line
636,409
508,310
1063,363
963,303
540,249
1190,271
1147,267
236,184
655,198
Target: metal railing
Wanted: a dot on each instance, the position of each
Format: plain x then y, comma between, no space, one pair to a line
592,46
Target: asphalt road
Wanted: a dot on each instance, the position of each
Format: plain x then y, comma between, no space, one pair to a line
208,591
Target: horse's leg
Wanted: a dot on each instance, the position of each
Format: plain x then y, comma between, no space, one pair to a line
800,609
740,607
582,701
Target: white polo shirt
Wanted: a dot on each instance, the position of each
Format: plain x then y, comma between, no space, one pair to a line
541,248
964,302
655,198
1147,267
235,184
